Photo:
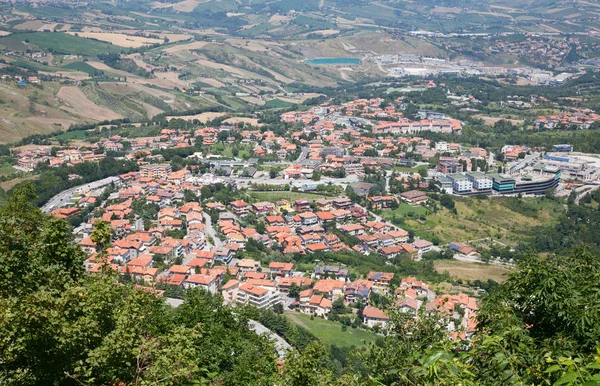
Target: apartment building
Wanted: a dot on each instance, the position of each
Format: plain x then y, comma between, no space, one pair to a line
161,171
256,296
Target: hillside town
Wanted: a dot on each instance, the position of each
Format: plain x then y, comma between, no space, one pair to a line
177,226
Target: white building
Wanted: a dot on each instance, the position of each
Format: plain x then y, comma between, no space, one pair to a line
480,181
374,317
441,146
256,296
460,183
205,282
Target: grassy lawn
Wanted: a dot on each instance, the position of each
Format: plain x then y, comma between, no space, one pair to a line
402,210
75,134
290,196
472,271
6,169
227,150
331,333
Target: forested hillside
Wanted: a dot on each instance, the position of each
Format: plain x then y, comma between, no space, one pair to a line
60,326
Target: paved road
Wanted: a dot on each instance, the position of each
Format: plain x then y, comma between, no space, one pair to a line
65,196
302,155
210,230
281,345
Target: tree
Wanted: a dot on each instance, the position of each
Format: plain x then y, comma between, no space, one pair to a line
278,308
36,250
447,201
308,368
294,291
273,172
101,235
338,307
260,227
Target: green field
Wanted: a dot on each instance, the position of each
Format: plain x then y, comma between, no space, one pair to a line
63,43
403,210
83,67
12,44
330,333
7,169
290,196
277,104
75,134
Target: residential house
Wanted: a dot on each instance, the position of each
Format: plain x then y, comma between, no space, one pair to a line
205,282
314,304
374,317
281,269
414,197
302,205
422,246
332,271
230,291
381,280
331,287
381,202
263,208
358,290
308,218
285,283
240,208
342,203
248,265
353,229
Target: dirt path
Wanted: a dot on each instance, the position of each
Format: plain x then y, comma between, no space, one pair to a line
296,320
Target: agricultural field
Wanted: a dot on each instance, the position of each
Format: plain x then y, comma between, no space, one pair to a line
82,67
61,43
121,40
277,103
330,333
30,110
472,271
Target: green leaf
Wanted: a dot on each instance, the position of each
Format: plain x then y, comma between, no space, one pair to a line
552,369
566,379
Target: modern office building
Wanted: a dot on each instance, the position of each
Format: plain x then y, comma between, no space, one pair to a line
444,184
502,183
536,184
481,181
460,183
